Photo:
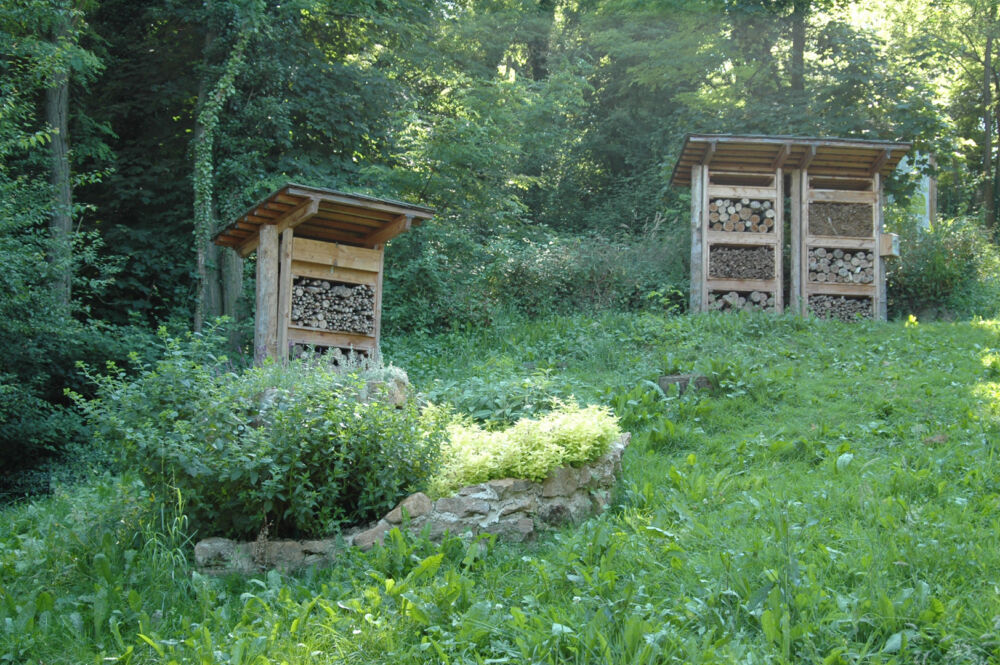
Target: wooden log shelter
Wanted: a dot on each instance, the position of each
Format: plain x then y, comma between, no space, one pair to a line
319,266
837,246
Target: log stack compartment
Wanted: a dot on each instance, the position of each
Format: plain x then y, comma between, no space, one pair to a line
345,311
741,222
839,267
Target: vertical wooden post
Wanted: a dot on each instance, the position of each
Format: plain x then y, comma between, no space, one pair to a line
880,306
265,334
698,190
378,299
798,258
779,240
284,292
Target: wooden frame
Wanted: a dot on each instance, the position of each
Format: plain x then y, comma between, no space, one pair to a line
821,170
339,263
704,238
802,288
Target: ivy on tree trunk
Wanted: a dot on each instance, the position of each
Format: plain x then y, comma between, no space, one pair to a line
210,107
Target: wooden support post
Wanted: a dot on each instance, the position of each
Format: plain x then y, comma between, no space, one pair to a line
779,242
699,177
796,298
881,309
265,336
378,299
284,292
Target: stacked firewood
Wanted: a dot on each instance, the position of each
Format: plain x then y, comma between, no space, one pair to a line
746,215
841,266
741,262
735,300
326,305
844,308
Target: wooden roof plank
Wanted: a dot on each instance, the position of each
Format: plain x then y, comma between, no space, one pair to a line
374,215
331,216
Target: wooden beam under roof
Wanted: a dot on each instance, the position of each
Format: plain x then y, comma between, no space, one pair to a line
402,223
808,158
709,153
880,162
293,218
783,155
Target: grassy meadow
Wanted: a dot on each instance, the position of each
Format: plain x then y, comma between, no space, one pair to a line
833,498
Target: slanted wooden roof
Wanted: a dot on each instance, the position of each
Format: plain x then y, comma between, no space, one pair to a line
853,158
323,214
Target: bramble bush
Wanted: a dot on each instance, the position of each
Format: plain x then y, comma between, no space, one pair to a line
300,449
531,449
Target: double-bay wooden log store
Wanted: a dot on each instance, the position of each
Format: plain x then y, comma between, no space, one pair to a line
837,247
319,266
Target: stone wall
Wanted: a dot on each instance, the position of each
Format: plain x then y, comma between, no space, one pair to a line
513,509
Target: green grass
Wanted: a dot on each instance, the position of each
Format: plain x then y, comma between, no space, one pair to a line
834,498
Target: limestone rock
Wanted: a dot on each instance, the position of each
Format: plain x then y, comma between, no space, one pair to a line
462,506
415,505
516,531
561,482
506,488
368,538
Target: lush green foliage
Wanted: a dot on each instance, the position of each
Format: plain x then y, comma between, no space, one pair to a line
532,449
542,132
951,269
833,499
294,450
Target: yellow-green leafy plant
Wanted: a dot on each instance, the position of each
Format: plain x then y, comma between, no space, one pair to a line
531,449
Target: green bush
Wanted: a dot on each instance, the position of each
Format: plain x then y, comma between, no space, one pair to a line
301,449
499,399
950,269
435,282
532,449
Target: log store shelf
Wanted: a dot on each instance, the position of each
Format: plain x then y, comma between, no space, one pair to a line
742,227
835,187
332,241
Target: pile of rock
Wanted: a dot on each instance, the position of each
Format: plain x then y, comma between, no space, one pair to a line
511,508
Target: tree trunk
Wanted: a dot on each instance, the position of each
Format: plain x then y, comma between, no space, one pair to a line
989,193
540,30
202,200
210,299
800,9
61,223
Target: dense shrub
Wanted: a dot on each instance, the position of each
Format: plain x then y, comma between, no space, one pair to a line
436,281
499,399
530,449
300,449
951,269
